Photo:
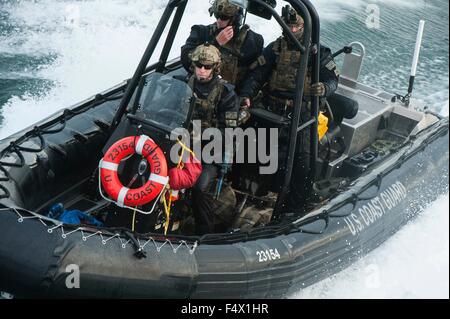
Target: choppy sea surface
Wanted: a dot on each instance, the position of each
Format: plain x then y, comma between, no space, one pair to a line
54,53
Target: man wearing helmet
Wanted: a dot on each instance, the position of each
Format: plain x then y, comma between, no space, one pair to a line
216,105
240,47
277,79
279,70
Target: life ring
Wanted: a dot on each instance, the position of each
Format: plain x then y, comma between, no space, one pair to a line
158,179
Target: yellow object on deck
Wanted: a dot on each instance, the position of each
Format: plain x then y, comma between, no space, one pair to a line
323,125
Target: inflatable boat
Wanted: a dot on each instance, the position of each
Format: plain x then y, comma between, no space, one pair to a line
373,174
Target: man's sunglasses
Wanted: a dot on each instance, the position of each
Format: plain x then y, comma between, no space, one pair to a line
223,17
201,65
298,26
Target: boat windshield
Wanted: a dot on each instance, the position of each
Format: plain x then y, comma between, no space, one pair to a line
164,101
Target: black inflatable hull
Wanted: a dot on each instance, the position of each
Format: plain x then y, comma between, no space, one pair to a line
40,259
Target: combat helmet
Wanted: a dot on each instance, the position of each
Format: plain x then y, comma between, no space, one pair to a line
224,9
207,54
293,19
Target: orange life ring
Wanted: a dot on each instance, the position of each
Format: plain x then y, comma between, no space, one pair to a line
158,179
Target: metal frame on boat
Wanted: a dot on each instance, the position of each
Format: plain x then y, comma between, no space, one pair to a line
37,253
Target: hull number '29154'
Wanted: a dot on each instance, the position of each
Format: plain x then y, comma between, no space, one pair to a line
267,255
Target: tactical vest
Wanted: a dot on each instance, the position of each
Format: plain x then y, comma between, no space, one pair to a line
206,109
231,54
284,75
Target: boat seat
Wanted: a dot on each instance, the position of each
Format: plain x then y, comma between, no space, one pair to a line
333,145
342,107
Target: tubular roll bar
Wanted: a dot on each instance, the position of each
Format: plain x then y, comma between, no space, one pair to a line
311,30
315,79
302,9
180,5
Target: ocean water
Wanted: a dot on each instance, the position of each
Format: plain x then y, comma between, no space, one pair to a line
54,53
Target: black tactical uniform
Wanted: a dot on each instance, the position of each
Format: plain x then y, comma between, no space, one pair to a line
216,105
279,72
278,76
238,56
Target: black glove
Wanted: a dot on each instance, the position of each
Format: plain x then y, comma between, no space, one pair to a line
317,89
244,115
